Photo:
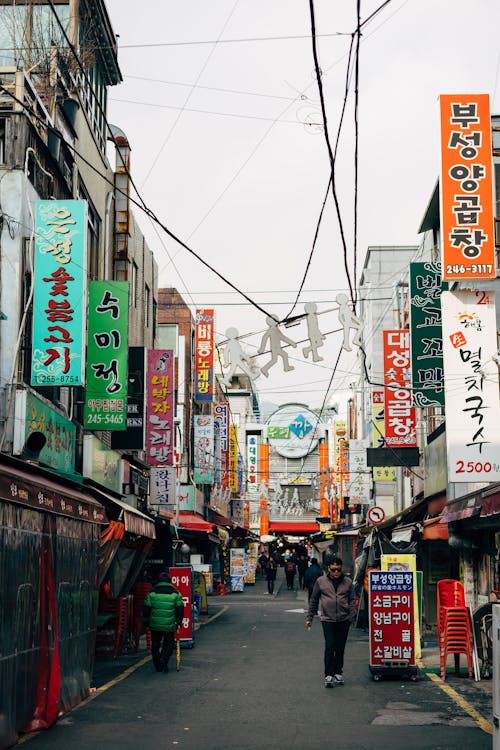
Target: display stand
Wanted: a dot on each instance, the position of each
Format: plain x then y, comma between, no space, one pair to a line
392,625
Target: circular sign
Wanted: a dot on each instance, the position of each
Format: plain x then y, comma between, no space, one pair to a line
375,514
293,430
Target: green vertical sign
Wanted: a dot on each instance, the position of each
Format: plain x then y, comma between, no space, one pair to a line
426,334
107,348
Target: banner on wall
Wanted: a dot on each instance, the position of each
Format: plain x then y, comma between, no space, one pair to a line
233,458
204,356
203,449
253,465
160,439
426,334
466,186
162,485
380,473
360,476
221,417
60,293
471,386
107,353
400,415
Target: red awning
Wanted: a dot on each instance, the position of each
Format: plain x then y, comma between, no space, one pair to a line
433,529
291,527
491,505
194,522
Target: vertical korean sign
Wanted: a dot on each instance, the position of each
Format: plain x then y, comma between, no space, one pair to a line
471,386
107,353
203,449
181,579
467,234
392,618
426,334
380,473
60,283
233,458
400,416
204,356
160,407
221,416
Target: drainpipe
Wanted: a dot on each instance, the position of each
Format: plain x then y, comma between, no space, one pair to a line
108,271
122,204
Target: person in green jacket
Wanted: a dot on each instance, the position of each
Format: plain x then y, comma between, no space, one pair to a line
162,612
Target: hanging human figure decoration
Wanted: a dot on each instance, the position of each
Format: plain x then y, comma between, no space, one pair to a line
316,338
235,357
276,338
348,320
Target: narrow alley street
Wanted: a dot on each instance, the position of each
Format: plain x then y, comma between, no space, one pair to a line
254,679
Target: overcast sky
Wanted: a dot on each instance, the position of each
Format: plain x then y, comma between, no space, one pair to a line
228,151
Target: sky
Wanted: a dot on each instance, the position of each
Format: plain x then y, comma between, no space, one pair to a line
221,107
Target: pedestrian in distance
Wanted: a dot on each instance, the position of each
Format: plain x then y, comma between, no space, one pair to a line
162,612
271,570
290,571
263,564
311,575
334,593
302,566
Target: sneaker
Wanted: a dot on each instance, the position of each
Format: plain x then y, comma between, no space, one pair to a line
339,679
329,681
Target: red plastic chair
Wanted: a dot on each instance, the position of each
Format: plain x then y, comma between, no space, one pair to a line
140,591
450,593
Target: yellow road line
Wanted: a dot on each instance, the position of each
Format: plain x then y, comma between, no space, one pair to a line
464,704
217,614
116,680
99,691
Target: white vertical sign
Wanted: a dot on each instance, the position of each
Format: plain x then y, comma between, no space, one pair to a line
471,386
360,476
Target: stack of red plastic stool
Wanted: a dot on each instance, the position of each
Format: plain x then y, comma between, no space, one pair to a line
454,625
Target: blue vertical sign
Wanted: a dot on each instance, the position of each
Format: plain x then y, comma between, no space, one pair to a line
60,284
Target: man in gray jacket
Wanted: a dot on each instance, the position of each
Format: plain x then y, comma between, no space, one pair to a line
335,593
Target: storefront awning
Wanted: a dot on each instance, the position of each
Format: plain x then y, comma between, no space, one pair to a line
194,522
490,504
40,489
222,521
461,508
291,527
135,521
434,529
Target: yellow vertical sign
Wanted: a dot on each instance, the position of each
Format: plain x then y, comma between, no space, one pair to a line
380,473
233,458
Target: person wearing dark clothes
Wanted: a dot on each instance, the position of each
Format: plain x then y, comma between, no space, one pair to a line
302,566
162,612
263,564
290,570
335,593
271,571
311,575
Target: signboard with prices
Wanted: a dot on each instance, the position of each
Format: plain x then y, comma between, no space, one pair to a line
392,622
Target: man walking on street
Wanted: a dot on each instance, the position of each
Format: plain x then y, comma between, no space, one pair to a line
162,612
334,592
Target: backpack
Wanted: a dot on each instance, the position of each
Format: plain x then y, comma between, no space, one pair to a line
290,567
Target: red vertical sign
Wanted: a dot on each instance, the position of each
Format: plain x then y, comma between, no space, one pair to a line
400,414
181,579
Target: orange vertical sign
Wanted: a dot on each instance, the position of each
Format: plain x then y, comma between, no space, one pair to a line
264,488
467,230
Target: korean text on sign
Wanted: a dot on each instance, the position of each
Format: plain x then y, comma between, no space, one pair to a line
400,416
468,242
392,618
204,356
160,407
60,284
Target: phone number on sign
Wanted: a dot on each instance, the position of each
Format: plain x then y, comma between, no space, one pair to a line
475,467
106,419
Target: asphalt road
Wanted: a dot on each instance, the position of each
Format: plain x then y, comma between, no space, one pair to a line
255,680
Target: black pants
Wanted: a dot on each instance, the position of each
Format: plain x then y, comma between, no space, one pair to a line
270,585
289,580
162,646
335,634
